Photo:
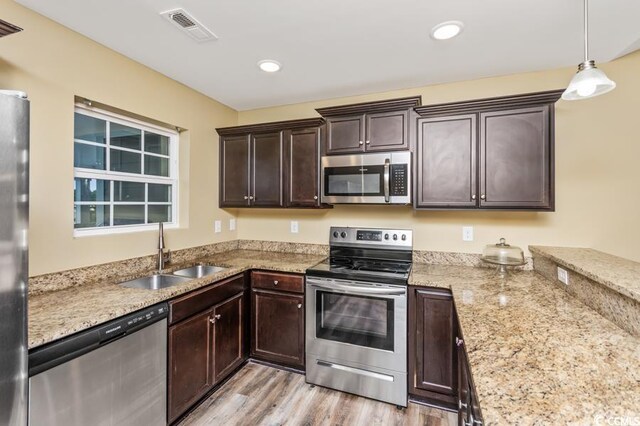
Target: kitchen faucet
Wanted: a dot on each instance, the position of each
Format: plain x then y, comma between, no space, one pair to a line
163,256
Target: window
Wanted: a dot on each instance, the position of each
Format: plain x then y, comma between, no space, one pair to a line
125,173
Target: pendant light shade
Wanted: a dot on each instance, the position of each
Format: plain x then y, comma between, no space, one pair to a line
589,81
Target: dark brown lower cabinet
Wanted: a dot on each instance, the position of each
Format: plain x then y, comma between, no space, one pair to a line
432,360
190,363
206,342
228,334
277,332
468,407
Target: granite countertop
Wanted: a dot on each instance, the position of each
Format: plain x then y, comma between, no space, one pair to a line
538,355
617,273
57,314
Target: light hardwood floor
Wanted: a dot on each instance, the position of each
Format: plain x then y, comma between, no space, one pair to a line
261,395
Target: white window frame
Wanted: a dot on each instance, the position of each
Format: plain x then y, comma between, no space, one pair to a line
172,179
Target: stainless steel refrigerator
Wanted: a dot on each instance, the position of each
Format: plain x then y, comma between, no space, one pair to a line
14,215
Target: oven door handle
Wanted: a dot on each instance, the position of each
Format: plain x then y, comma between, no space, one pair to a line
343,288
387,166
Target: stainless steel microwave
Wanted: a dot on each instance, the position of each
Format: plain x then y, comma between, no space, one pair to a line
382,178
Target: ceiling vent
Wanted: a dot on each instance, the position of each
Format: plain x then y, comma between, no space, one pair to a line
189,25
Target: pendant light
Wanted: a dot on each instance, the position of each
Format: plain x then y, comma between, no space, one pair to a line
589,81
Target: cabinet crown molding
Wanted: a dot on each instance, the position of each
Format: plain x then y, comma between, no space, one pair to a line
493,104
270,127
7,28
371,107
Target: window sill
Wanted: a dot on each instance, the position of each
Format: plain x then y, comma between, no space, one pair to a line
129,229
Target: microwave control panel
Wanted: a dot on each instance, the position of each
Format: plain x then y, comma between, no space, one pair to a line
398,184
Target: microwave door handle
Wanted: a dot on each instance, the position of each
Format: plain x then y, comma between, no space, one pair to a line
387,166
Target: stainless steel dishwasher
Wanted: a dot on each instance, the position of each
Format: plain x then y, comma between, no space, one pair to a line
112,374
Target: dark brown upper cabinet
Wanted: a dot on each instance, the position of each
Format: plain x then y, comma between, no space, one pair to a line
369,126
447,161
234,171
302,163
271,164
495,153
266,189
251,170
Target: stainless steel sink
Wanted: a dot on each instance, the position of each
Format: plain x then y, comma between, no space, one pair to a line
155,282
198,271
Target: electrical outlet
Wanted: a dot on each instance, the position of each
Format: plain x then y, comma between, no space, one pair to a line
217,226
467,233
232,224
563,276
294,226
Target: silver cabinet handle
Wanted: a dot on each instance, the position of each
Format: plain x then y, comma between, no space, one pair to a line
217,316
275,282
251,197
483,197
473,197
212,320
461,405
368,142
459,341
299,305
315,197
360,143
387,166
246,197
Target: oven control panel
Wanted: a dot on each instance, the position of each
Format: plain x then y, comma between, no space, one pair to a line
391,238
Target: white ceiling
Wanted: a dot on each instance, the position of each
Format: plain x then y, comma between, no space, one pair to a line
333,48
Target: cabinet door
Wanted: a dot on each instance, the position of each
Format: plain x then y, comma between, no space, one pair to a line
302,153
464,386
387,131
266,176
190,373
278,327
227,337
432,345
345,134
516,159
447,162
234,171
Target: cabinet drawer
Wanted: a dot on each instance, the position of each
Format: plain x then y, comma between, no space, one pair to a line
274,281
204,298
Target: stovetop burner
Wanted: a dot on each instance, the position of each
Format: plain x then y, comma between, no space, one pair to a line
369,265
374,255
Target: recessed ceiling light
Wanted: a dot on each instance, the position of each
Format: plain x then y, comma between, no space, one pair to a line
447,30
269,65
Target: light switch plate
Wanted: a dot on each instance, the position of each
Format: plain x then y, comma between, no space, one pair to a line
217,226
563,276
467,233
232,224
294,226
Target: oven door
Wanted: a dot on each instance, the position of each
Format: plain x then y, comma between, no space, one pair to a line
357,322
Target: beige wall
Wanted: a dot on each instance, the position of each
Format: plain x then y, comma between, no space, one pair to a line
597,151
597,174
53,64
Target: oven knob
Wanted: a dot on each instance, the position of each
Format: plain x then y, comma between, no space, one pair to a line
343,234
395,237
386,236
335,234
404,237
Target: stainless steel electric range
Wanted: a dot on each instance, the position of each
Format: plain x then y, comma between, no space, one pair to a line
356,314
